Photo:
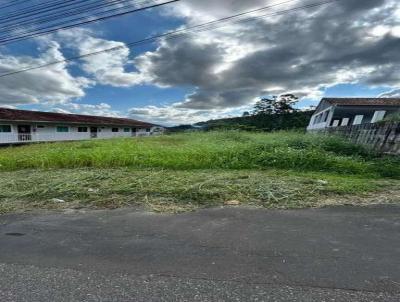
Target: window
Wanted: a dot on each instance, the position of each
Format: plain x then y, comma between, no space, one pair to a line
115,130
358,120
5,128
148,130
378,116
127,129
325,118
82,129
40,126
317,119
134,130
62,129
345,121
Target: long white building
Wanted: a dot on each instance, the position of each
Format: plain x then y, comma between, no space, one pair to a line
23,126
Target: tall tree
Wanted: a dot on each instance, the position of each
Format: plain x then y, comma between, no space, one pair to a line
281,104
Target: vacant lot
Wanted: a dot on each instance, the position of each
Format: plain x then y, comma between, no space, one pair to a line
186,171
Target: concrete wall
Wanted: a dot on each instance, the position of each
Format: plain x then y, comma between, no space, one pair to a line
48,133
381,137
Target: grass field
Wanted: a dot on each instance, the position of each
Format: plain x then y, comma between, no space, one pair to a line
185,171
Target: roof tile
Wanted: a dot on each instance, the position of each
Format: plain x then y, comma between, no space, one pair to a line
363,101
51,117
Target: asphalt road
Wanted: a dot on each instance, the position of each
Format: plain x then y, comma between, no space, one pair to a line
231,254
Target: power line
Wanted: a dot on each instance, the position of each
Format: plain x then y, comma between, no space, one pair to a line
53,7
36,8
48,30
88,20
38,19
15,2
180,33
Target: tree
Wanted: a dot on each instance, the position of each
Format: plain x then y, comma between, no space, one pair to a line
246,113
276,105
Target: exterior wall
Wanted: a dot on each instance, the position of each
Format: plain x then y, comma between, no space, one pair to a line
349,115
48,133
319,123
381,137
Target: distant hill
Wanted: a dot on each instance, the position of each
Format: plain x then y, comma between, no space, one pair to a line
263,122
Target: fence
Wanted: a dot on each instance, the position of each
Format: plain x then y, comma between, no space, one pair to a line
381,137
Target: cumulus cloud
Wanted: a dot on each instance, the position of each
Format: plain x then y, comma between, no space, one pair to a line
107,68
391,94
304,52
102,109
53,84
173,115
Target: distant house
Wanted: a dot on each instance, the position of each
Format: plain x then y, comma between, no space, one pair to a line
335,112
22,126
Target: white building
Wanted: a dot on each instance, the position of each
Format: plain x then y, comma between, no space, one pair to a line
337,112
22,126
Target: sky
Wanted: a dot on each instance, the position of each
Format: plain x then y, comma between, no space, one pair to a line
348,48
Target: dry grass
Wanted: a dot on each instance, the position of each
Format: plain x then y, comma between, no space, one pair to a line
176,191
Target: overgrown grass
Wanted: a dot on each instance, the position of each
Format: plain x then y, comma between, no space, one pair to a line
213,150
176,191
187,171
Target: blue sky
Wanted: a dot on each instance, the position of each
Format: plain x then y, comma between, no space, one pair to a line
212,74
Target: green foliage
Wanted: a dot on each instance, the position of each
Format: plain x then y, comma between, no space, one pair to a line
394,117
282,104
208,150
262,122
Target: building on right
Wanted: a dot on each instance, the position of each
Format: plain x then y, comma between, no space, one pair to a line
336,112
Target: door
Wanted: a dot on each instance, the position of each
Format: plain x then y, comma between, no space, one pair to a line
93,132
24,133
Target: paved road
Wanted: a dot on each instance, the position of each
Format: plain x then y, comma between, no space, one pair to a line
231,254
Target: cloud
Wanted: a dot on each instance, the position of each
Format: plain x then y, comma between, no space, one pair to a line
391,94
302,52
52,84
107,68
102,109
173,115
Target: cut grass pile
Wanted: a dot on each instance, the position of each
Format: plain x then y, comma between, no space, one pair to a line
176,191
187,171
215,150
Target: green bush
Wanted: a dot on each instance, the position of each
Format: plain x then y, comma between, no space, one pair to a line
394,117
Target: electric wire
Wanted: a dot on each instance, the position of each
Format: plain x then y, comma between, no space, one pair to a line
181,32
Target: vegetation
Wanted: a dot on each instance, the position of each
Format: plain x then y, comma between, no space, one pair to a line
214,150
394,117
270,114
185,171
177,191
262,122
282,104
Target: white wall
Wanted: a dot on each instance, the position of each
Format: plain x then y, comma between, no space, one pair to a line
49,133
321,119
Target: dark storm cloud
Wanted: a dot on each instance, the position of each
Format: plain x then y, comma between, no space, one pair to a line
183,62
298,52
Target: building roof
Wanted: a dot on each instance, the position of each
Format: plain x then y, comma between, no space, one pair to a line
51,117
363,101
